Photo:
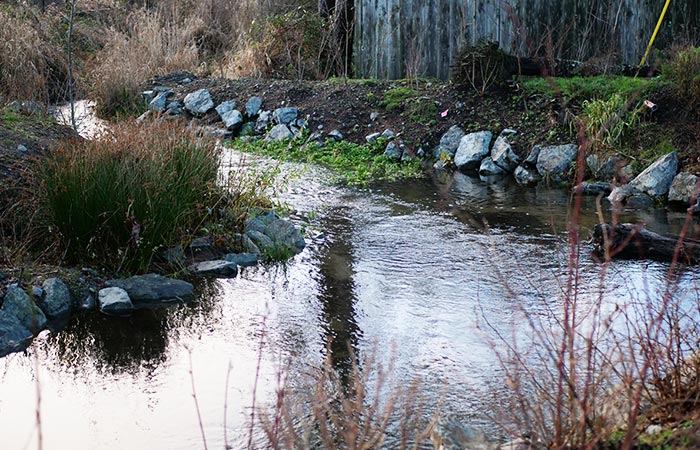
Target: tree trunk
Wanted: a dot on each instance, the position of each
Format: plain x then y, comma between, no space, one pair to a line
629,241
342,15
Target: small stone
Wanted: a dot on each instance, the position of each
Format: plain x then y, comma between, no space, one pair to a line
488,168
285,116
57,303
336,135
153,289
526,175
225,107
88,303
159,102
263,122
388,134
242,259
115,301
199,102
232,119
37,292
594,188
22,148
252,107
393,152
370,138
279,133
215,268
373,116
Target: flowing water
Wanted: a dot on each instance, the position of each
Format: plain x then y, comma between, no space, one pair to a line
407,269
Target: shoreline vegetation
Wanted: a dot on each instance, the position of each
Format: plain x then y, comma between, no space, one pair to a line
147,196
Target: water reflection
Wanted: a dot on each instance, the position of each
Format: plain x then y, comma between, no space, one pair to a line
337,291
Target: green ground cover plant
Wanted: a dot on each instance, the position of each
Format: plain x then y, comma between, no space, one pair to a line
600,87
355,164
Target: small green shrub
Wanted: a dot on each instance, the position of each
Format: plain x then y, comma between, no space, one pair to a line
120,198
480,66
683,71
395,98
607,122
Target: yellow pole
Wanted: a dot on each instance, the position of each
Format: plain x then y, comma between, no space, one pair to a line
656,31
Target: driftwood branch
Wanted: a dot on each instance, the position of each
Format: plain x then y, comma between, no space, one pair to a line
631,241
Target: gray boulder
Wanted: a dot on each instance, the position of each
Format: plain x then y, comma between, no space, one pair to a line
656,179
199,102
225,107
56,301
472,149
232,119
555,161
273,235
279,133
531,160
115,301
160,101
152,289
449,142
503,155
526,176
608,168
264,121
14,336
242,259
217,268
393,151
19,305
261,241
684,188
252,107
285,116
489,169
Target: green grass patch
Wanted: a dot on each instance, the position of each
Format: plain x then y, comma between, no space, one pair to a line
600,87
119,199
395,98
355,164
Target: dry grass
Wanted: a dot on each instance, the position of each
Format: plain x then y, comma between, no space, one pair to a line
33,63
362,409
154,45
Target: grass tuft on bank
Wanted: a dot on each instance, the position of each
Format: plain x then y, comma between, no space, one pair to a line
129,193
355,164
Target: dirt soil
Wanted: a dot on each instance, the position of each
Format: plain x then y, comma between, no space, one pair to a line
348,105
24,136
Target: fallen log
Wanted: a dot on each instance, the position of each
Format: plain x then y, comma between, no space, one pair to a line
629,241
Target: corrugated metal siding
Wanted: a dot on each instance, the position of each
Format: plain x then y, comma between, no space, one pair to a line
394,38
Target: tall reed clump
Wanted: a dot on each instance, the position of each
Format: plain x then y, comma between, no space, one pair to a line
33,61
683,70
127,194
152,43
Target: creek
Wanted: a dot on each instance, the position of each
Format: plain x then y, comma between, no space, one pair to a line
408,269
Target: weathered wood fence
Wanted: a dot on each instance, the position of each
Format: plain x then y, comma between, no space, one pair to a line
412,38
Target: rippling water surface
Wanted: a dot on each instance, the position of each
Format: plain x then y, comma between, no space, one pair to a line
409,269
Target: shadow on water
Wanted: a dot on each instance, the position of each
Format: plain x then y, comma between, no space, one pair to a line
337,292
132,345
